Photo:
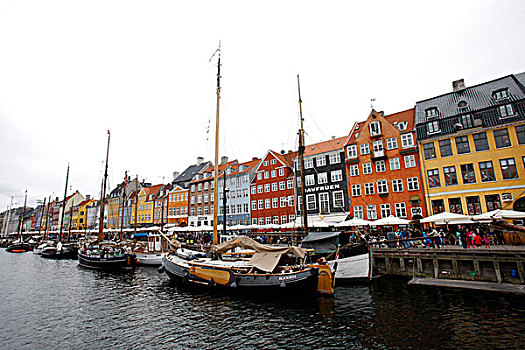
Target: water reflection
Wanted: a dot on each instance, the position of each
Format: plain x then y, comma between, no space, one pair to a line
56,304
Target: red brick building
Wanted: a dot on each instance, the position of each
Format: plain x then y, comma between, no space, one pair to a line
382,168
272,190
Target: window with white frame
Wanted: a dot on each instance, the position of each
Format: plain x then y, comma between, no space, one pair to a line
290,201
382,186
289,183
413,183
397,185
336,175
356,190
267,188
298,181
354,170
335,158
283,219
385,210
274,186
506,111
260,204
261,221
308,163
433,127
309,180
351,151
259,176
401,210
324,203
320,161
283,201
275,220
254,221
265,163
254,189
267,203
407,140
410,161
291,218
273,161
275,202
358,212
268,220
367,168
322,178
266,174
371,212
379,151
282,185
391,143
338,198
394,164
375,128
281,171
310,202
369,188
365,148
273,173
380,166
254,205
260,189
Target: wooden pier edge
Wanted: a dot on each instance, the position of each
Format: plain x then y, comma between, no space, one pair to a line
473,285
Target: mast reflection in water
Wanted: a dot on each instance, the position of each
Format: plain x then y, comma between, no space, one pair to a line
56,304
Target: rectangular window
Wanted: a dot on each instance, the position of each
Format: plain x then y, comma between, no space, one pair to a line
501,138
335,158
358,212
385,210
433,127
268,220
267,203
371,212
324,203
369,188
281,171
283,219
506,111
283,202
354,170
467,173
462,145
508,169
429,150
282,185
480,142
375,128
356,190
473,205
322,178
261,221
413,183
309,180
407,140
254,205
352,151
410,161
433,178
290,201
273,173
379,151
401,210
310,202
520,134
254,189
320,161
380,166
394,164
308,163
259,189
397,185
486,170
365,148
339,201
450,175
391,143
466,121
274,186
438,206
267,188
367,168
382,186
445,148
336,176
455,205
493,202
275,202
289,184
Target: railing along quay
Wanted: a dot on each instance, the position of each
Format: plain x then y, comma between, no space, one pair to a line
499,264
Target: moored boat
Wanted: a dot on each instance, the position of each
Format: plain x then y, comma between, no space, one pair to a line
60,251
106,255
18,247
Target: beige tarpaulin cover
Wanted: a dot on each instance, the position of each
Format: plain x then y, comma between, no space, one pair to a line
266,257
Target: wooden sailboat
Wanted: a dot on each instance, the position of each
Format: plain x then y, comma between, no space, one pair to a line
269,270
20,246
101,254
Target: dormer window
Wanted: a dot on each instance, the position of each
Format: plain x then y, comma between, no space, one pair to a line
463,106
431,113
402,126
433,127
500,94
375,128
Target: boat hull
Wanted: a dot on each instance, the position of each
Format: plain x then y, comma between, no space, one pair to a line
124,262
70,253
18,248
150,259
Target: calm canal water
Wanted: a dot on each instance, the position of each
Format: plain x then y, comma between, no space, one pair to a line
58,305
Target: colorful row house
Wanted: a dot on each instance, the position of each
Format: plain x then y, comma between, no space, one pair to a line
472,143
382,166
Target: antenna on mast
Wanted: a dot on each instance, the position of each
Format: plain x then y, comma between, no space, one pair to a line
372,103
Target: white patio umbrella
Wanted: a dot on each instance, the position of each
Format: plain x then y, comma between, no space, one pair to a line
500,214
447,218
390,220
353,222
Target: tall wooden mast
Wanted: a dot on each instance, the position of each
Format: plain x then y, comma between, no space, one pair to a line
21,226
64,205
103,197
216,167
122,203
301,159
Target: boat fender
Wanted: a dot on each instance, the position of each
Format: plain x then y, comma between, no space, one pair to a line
283,284
160,269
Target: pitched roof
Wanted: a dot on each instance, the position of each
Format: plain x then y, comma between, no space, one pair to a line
190,172
406,116
477,97
324,146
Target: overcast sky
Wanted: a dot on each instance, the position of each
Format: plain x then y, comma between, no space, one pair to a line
70,70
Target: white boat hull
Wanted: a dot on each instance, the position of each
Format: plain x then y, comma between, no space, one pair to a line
353,267
153,259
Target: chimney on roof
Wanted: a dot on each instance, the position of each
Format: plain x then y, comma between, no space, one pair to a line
200,160
175,174
333,137
458,85
282,152
224,160
88,197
